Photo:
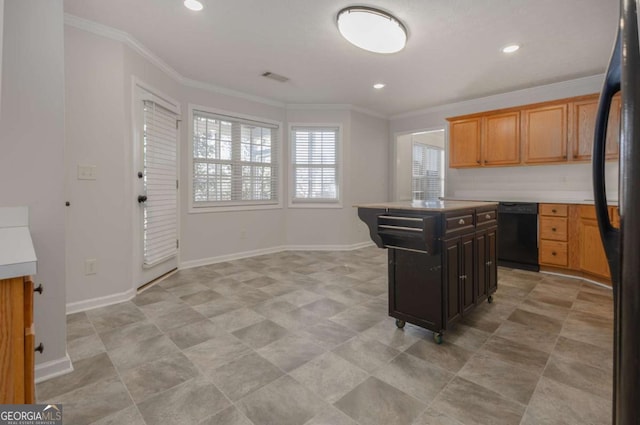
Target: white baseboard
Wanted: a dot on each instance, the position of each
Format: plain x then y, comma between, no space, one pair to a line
272,250
578,277
328,247
100,301
230,257
53,368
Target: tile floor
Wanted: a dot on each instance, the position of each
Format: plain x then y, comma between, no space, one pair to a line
304,338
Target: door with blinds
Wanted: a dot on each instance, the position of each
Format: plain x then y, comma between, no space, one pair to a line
156,195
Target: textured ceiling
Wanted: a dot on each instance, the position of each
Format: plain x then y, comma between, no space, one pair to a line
453,52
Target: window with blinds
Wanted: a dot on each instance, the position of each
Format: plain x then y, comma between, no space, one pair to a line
427,172
234,161
315,163
160,221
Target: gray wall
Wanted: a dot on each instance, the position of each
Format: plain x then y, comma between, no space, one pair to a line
32,145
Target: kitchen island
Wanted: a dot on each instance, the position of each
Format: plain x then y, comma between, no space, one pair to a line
442,258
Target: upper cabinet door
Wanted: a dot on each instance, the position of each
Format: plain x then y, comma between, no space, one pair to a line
544,131
464,143
501,139
583,124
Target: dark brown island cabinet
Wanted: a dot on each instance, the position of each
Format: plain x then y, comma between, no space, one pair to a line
442,258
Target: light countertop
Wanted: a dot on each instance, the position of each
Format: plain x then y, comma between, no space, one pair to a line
17,256
438,206
533,199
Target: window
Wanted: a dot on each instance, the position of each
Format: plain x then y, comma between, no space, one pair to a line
235,161
315,162
428,172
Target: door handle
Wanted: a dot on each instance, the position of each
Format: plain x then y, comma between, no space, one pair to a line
610,236
142,199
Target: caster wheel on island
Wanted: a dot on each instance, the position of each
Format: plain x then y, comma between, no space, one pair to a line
490,299
400,323
437,338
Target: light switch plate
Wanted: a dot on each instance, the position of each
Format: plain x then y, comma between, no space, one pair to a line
87,172
90,266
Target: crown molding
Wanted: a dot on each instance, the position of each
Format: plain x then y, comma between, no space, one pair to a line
142,50
126,38
479,103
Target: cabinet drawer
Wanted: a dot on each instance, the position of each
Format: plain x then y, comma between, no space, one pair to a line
486,218
458,222
554,210
553,253
553,228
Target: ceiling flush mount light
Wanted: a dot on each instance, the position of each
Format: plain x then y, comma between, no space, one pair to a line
378,86
510,48
193,5
372,29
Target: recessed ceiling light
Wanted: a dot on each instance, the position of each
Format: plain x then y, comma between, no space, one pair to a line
193,5
378,86
372,29
510,48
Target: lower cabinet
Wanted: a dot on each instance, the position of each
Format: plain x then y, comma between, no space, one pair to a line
570,240
460,273
17,341
486,274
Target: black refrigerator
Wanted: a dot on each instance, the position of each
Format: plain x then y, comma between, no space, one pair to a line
623,246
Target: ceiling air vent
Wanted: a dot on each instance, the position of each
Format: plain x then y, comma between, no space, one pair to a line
274,76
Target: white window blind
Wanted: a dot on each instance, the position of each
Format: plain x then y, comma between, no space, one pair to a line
427,172
234,161
315,164
160,174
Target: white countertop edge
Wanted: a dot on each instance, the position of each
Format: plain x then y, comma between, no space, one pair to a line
9,271
17,256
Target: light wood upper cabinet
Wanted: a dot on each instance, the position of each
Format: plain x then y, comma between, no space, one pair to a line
583,123
559,131
544,133
501,139
464,143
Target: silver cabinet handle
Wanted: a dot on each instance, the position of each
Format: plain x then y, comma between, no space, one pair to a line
488,216
461,221
489,263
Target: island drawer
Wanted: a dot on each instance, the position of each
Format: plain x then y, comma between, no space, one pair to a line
459,221
486,218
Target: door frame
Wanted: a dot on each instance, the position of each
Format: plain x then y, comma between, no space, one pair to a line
138,88
393,151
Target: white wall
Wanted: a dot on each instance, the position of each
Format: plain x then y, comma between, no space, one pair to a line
32,158
95,123
368,169
553,181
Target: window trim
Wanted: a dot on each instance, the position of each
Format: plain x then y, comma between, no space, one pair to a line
233,205
319,203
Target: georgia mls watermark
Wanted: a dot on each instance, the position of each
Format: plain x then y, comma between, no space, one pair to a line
30,414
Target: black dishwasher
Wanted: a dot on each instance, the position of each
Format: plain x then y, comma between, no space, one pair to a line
518,235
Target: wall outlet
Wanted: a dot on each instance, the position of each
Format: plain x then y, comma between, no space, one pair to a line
90,266
87,172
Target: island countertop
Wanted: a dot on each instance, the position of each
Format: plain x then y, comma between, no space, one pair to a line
435,205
